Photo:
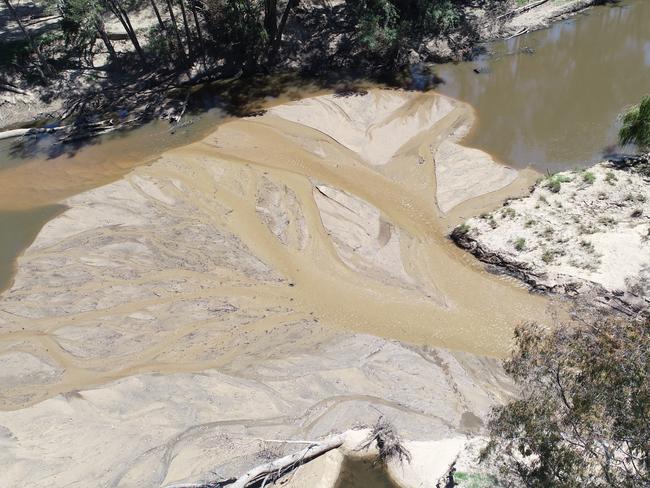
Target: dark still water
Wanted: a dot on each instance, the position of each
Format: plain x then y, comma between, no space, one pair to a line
363,473
550,99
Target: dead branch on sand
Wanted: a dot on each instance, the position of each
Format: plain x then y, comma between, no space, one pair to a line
383,434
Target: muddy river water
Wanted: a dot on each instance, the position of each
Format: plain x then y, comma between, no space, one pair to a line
552,107
551,99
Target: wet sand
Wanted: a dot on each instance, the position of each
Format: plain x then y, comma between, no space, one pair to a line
267,222
222,295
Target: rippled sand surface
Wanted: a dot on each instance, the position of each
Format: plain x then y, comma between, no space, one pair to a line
234,265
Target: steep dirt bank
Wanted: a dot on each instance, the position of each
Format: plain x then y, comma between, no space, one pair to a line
579,233
222,294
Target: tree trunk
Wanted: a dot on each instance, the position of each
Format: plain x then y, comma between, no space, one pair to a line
28,37
163,29
181,49
271,19
99,24
161,24
278,466
188,33
133,35
123,17
275,47
199,32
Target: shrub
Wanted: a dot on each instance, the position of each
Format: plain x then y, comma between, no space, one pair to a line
463,229
607,221
636,125
508,212
554,183
548,257
520,244
588,177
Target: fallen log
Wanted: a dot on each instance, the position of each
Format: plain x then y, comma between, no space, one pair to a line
28,132
523,9
279,466
382,435
10,88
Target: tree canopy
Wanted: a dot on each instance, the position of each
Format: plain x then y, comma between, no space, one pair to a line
583,416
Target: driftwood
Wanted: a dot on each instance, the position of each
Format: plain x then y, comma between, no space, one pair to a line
72,132
388,442
8,134
11,88
287,463
523,9
382,434
274,469
520,32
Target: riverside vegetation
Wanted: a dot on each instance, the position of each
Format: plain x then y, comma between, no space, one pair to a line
138,59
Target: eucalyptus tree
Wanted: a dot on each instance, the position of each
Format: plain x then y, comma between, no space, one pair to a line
582,418
82,21
118,9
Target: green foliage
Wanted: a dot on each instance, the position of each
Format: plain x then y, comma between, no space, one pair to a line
520,244
378,28
13,52
508,212
473,480
610,178
17,53
588,177
548,256
438,16
237,27
160,45
636,125
582,416
383,24
463,229
79,21
554,183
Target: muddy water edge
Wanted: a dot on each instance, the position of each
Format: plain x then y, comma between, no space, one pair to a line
38,173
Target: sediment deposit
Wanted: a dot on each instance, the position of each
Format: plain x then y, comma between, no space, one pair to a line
164,322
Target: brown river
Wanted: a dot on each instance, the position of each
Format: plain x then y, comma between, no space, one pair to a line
552,106
551,99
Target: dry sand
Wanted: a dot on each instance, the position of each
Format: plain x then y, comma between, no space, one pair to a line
222,293
589,236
